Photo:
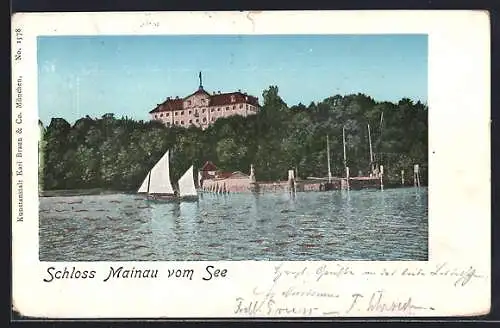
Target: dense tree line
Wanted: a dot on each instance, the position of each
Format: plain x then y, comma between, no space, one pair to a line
117,153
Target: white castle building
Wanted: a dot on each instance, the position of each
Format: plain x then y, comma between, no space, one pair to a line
201,108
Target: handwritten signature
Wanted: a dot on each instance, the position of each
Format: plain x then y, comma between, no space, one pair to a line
268,306
302,291
379,302
376,302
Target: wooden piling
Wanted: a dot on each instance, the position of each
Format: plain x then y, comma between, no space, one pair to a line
381,173
347,177
291,181
416,176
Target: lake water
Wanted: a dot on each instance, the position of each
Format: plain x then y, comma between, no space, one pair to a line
338,225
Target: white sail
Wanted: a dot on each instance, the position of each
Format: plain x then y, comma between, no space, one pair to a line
186,184
144,186
160,177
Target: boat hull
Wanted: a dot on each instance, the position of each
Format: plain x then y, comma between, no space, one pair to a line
170,198
161,198
188,198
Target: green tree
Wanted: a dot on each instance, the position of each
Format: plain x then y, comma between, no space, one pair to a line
117,153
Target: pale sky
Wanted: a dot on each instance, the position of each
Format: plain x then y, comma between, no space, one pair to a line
129,75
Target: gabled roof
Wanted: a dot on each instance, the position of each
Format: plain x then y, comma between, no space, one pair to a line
200,91
209,166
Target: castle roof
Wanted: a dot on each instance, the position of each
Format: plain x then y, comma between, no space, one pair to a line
225,99
214,100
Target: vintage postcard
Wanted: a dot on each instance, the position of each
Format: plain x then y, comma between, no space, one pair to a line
251,164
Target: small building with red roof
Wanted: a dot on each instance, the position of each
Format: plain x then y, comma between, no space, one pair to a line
201,109
212,179
208,171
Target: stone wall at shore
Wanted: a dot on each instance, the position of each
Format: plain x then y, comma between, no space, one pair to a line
278,186
244,185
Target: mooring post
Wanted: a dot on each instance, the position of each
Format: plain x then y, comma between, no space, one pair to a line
381,177
347,177
416,176
291,180
402,177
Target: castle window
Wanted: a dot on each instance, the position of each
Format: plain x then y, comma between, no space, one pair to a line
156,115
182,122
197,120
176,122
168,123
189,112
176,113
211,110
182,113
190,121
167,114
227,108
203,110
213,119
204,119
161,115
234,107
218,109
241,105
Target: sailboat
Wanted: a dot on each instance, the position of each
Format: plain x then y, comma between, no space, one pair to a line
187,188
157,185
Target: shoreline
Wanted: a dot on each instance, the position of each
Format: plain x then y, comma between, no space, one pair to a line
81,192
101,191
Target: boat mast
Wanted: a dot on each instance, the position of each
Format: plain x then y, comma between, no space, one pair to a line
345,159
380,137
371,149
343,141
328,156
149,181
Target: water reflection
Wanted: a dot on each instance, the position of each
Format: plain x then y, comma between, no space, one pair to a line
338,225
